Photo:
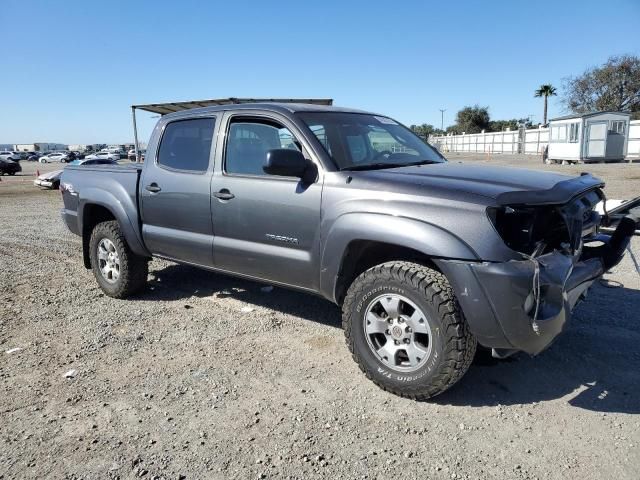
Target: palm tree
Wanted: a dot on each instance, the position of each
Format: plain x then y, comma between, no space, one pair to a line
547,90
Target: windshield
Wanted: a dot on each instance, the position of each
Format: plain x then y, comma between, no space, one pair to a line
357,141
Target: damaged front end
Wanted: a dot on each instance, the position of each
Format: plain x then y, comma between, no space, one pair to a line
524,303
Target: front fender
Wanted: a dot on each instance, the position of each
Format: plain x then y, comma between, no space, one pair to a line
418,235
121,207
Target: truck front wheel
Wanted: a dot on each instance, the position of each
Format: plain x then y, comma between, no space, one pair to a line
405,330
118,270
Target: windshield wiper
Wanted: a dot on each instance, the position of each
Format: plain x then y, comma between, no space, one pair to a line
372,166
381,165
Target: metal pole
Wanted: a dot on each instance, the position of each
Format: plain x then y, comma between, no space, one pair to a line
442,118
135,134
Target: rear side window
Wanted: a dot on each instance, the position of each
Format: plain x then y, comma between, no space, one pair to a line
186,144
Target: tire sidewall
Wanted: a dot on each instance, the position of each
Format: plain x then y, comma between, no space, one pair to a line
99,234
370,361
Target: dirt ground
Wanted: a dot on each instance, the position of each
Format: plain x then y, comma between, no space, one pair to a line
207,376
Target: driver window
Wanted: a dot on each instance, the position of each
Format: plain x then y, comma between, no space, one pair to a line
248,142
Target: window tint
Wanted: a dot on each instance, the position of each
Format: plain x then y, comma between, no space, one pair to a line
248,143
186,144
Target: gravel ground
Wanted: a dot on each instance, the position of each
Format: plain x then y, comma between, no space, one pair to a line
206,376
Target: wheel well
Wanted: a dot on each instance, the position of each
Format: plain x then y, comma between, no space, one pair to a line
91,216
360,255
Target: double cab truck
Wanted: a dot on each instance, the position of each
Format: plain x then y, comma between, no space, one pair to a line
426,258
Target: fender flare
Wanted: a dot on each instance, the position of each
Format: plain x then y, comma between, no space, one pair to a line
418,235
119,208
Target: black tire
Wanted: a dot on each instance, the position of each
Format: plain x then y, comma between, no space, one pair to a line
134,269
452,344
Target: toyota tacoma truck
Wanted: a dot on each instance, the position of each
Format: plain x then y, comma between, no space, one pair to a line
426,258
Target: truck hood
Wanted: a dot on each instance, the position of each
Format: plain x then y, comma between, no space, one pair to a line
504,185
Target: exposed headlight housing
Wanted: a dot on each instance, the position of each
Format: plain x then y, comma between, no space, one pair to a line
523,228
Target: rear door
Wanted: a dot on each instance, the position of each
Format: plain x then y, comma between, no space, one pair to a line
266,226
175,189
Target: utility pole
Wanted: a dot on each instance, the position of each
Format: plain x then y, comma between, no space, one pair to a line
442,110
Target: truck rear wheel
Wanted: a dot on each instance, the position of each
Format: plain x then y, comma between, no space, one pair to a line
118,270
405,330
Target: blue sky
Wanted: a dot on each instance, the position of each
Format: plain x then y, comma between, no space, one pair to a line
71,69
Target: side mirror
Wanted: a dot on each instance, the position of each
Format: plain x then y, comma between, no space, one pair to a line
287,162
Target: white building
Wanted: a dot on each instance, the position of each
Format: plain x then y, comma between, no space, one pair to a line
86,147
589,137
39,147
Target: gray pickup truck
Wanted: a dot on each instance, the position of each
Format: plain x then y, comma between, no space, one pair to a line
426,258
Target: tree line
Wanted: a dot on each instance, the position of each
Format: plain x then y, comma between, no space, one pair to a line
613,86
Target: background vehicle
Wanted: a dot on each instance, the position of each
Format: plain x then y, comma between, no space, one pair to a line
52,179
33,156
54,157
9,167
116,149
132,154
426,258
7,155
103,156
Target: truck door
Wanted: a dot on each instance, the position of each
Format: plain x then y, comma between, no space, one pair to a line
176,197
266,226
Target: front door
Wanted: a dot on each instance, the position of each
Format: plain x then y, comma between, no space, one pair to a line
596,139
265,226
175,186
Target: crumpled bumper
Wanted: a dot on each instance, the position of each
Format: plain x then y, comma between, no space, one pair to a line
518,305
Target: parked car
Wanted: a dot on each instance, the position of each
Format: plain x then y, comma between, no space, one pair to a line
78,155
104,156
52,179
33,156
10,167
132,154
426,258
20,155
7,155
54,157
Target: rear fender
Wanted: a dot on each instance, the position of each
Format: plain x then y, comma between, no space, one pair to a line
119,208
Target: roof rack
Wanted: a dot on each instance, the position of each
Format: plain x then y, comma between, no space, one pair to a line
171,107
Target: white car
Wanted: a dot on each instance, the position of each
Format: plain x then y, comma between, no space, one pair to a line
103,156
54,157
52,179
6,155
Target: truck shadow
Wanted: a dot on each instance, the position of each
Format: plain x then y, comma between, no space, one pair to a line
181,282
595,365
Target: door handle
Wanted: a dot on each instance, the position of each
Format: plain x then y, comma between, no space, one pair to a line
153,188
224,194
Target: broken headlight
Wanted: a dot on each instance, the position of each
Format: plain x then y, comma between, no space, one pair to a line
529,229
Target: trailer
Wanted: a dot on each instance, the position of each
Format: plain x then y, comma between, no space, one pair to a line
588,137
